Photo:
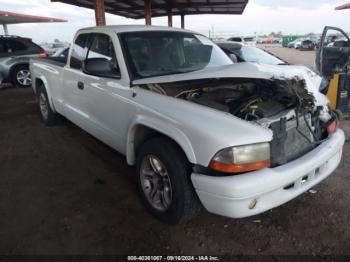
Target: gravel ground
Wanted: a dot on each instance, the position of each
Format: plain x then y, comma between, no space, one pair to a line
63,192
292,55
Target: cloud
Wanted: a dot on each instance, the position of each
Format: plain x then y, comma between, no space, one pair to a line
264,19
304,4
260,16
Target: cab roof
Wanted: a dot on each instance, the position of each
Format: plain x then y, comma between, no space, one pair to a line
134,28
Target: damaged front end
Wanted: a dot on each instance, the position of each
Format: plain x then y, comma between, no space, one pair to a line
285,106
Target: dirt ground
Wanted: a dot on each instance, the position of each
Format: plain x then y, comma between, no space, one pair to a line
63,192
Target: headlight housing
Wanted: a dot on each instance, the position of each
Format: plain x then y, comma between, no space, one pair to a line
240,159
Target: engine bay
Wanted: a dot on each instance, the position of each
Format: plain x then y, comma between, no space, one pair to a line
248,99
284,106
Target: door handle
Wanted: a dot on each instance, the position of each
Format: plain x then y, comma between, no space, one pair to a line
80,85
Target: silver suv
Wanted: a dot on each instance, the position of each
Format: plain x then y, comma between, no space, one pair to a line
15,53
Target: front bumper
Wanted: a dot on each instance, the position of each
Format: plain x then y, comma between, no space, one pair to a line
231,195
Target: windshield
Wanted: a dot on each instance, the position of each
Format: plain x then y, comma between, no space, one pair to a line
153,53
256,55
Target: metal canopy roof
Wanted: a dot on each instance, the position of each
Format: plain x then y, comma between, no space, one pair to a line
135,8
345,6
15,18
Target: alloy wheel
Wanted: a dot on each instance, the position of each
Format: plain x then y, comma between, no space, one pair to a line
155,182
44,107
23,77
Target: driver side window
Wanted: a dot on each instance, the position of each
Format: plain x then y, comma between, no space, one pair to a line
101,59
102,47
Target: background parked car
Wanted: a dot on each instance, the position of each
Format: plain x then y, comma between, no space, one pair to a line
61,52
307,44
51,48
291,44
277,41
297,43
241,53
15,53
249,41
267,41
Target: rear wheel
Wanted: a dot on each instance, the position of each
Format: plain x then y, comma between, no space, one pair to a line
164,181
49,117
21,76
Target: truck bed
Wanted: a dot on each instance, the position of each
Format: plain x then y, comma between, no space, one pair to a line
57,61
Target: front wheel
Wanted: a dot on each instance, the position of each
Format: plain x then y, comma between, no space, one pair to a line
164,181
21,76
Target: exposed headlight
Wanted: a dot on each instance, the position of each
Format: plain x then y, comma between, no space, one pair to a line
242,158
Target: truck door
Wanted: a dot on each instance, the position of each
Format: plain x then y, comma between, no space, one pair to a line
108,98
75,100
333,53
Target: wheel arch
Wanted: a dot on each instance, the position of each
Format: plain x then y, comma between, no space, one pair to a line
41,81
141,131
15,65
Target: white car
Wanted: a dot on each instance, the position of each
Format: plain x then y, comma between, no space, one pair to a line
297,43
238,138
248,41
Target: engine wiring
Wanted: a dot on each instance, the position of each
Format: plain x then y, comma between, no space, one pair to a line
297,110
157,88
186,92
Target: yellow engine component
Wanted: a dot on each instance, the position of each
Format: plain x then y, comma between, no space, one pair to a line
332,92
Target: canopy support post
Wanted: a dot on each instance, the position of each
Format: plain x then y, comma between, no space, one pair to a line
100,16
6,31
182,21
148,12
170,18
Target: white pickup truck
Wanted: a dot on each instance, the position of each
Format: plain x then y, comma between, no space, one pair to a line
238,139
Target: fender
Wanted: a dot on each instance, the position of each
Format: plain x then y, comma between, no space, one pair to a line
13,63
161,126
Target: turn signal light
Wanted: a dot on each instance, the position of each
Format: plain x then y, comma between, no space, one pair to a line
238,168
332,127
244,158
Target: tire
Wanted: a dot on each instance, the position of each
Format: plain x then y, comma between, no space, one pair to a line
49,117
20,76
180,203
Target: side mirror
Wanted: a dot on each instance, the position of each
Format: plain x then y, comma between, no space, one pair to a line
234,58
102,67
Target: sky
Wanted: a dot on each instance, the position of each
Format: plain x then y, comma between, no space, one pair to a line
259,17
